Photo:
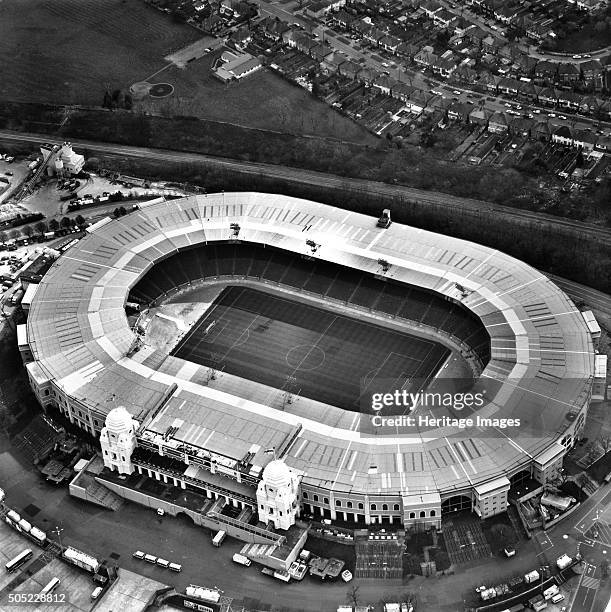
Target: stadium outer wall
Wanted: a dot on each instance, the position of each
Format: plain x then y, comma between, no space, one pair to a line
82,360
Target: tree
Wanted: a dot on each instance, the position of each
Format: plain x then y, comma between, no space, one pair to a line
13,234
41,227
28,231
53,225
65,222
122,210
353,595
80,220
3,236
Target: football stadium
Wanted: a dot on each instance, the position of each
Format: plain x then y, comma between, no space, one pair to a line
229,346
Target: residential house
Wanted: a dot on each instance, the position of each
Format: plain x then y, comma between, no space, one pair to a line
477,36
490,82
568,74
444,18
367,76
586,139
349,69
274,28
239,38
465,74
417,102
592,73
384,84
528,91
426,59
568,99
542,131
546,71
490,45
212,23
430,7
505,13
343,19
444,66
389,43
509,86
402,91
480,116
548,96
332,62
562,135
497,124
461,27
320,51
407,50
522,125
459,111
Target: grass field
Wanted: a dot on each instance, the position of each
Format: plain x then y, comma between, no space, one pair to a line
306,350
70,51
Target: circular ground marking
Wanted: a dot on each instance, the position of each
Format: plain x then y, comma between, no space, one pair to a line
305,357
161,90
140,89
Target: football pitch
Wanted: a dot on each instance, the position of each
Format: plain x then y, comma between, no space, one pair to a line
306,350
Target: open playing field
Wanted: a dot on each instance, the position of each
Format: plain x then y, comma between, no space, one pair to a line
70,51
303,349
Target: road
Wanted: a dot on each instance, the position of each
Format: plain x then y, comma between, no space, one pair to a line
574,534
331,181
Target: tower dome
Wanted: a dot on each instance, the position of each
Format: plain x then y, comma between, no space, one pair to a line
277,474
119,420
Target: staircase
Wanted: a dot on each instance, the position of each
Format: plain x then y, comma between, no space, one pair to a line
101,496
258,551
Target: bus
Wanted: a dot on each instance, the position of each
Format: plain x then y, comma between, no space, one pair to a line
19,560
51,586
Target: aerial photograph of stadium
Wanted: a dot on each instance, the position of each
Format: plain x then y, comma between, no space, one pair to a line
305,305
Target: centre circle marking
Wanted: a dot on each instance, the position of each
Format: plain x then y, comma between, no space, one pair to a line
305,357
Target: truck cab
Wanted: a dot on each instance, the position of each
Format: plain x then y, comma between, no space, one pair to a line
384,221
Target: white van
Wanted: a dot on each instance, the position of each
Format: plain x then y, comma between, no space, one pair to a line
163,563
175,567
96,593
150,559
241,559
557,598
217,540
138,555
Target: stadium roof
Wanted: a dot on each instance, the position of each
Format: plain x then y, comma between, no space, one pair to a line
540,370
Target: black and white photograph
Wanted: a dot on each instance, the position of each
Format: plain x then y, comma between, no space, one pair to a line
305,305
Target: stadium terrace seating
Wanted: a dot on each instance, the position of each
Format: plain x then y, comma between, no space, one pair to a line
367,293
315,276
321,278
344,284
391,298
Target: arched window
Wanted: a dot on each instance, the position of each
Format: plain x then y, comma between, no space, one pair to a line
433,513
374,507
396,507
422,513
384,506
412,515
